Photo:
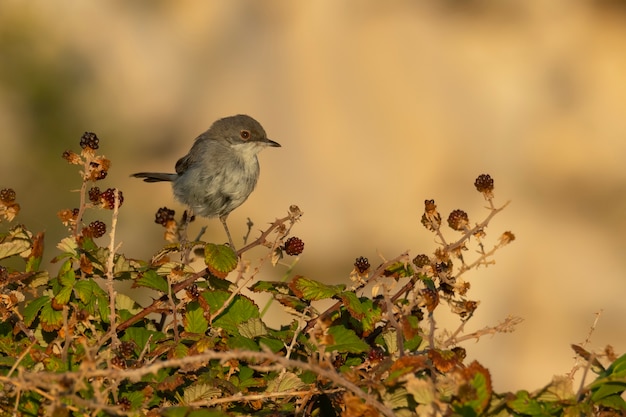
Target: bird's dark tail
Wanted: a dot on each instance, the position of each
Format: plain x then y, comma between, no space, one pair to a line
155,176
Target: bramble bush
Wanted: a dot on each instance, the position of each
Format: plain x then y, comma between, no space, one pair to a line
71,344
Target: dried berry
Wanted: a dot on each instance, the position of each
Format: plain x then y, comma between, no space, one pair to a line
431,299
294,246
98,168
484,184
89,140
362,264
72,157
163,216
7,195
507,237
94,194
458,220
107,198
97,228
431,219
421,260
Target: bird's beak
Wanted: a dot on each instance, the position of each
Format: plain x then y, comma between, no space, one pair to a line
272,143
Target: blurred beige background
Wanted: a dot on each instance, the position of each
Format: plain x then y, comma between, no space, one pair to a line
378,106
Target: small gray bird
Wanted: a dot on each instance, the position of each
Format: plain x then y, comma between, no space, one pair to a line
220,170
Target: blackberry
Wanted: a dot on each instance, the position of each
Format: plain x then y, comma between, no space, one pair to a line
7,195
192,291
421,260
4,275
362,264
294,246
126,349
107,198
94,194
458,220
125,404
89,140
97,228
164,215
484,184
75,212
376,354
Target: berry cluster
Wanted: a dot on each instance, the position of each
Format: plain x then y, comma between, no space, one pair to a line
107,198
94,194
97,228
127,349
7,195
421,260
484,184
192,291
458,220
362,264
164,216
293,246
89,140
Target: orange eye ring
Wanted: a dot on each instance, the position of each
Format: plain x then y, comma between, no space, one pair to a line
245,134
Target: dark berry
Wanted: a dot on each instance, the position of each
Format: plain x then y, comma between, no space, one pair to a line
125,404
94,194
126,349
421,260
75,212
484,184
192,291
458,220
7,195
294,246
376,354
362,264
107,198
164,215
4,275
89,140
98,228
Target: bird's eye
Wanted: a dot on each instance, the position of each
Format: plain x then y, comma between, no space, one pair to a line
245,134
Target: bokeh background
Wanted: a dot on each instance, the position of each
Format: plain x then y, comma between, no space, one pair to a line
378,106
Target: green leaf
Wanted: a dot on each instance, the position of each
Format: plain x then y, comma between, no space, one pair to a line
274,287
313,290
200,392
220,259
345,340
50,318
195,322
252,328
240,310
150,279
287,381
240,342
141,336
273,344
525,405
32,309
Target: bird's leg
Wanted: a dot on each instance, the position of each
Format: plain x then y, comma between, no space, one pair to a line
230,239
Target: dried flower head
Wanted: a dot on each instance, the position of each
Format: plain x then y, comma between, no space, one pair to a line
431,219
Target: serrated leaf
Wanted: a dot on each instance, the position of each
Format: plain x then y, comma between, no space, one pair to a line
352,303
199,392
68,245
273,287
32,309
51,319
273,344
345,340
150,279
87,290
240,310
524,404
287,381
220,259
240,342
252,328
13,247
195,322
313,290
292,302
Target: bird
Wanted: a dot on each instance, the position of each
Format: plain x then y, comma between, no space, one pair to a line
220,170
